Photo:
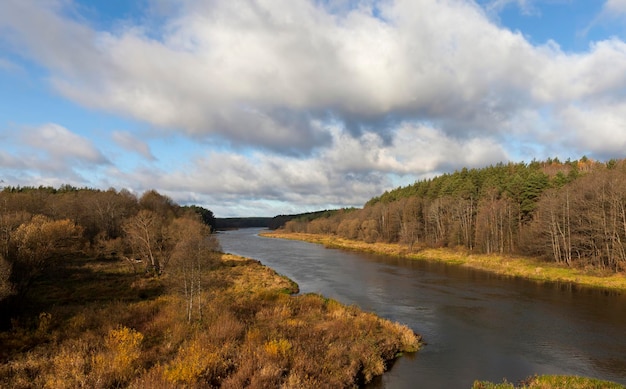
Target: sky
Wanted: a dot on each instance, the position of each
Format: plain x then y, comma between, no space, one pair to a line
267,107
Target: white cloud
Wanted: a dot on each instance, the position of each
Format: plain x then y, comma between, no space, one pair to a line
129,142
597,74
348,173
49,155
260,76
598,131
63,145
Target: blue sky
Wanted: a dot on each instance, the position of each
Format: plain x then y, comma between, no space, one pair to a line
265,107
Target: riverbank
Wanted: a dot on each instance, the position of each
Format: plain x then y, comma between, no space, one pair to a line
548,381
528,268
97,323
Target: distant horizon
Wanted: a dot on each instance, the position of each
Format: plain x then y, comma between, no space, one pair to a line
60,187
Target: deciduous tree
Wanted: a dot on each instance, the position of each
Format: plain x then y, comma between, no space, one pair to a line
37,242
144,233
193,255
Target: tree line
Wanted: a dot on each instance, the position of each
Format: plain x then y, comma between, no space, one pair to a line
272,223
39,227
571,212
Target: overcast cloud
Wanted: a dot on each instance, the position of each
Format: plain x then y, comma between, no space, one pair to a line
315,103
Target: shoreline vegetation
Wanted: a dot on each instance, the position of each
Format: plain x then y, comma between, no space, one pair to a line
510,266
94,322
551,381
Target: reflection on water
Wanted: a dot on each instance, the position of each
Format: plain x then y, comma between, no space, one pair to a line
477,325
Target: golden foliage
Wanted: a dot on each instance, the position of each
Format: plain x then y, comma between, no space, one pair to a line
41,236
277,348
194,361
118,362
125,345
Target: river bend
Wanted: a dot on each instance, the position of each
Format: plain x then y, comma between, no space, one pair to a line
476,325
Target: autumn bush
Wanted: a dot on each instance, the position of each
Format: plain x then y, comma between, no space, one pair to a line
197,360
119,360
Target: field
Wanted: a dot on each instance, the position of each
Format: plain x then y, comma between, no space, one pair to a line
98,323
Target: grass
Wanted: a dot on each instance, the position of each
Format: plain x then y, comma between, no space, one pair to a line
524,267
551,382
97,324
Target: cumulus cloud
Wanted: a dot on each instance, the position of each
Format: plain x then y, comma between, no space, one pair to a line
129,142
63,145
49,155
348,173
597,130
267,73
565,78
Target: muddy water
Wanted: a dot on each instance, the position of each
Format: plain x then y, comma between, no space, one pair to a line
477,325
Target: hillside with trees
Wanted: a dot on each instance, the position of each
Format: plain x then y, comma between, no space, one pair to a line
39,226
571,213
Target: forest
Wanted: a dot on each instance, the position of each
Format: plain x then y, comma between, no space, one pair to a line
39,225
572,213
233,223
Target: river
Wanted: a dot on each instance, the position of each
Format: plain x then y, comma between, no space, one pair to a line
476,325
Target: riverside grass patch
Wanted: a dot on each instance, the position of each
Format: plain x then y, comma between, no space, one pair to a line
129,330
551,382
523,267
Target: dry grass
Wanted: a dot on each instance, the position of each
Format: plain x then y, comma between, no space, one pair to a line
523,267
130,331
552,382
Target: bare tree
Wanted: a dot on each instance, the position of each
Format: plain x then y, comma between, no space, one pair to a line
192,256
144,234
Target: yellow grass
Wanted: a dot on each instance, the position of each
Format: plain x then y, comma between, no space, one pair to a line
523,267
131,331
551,382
